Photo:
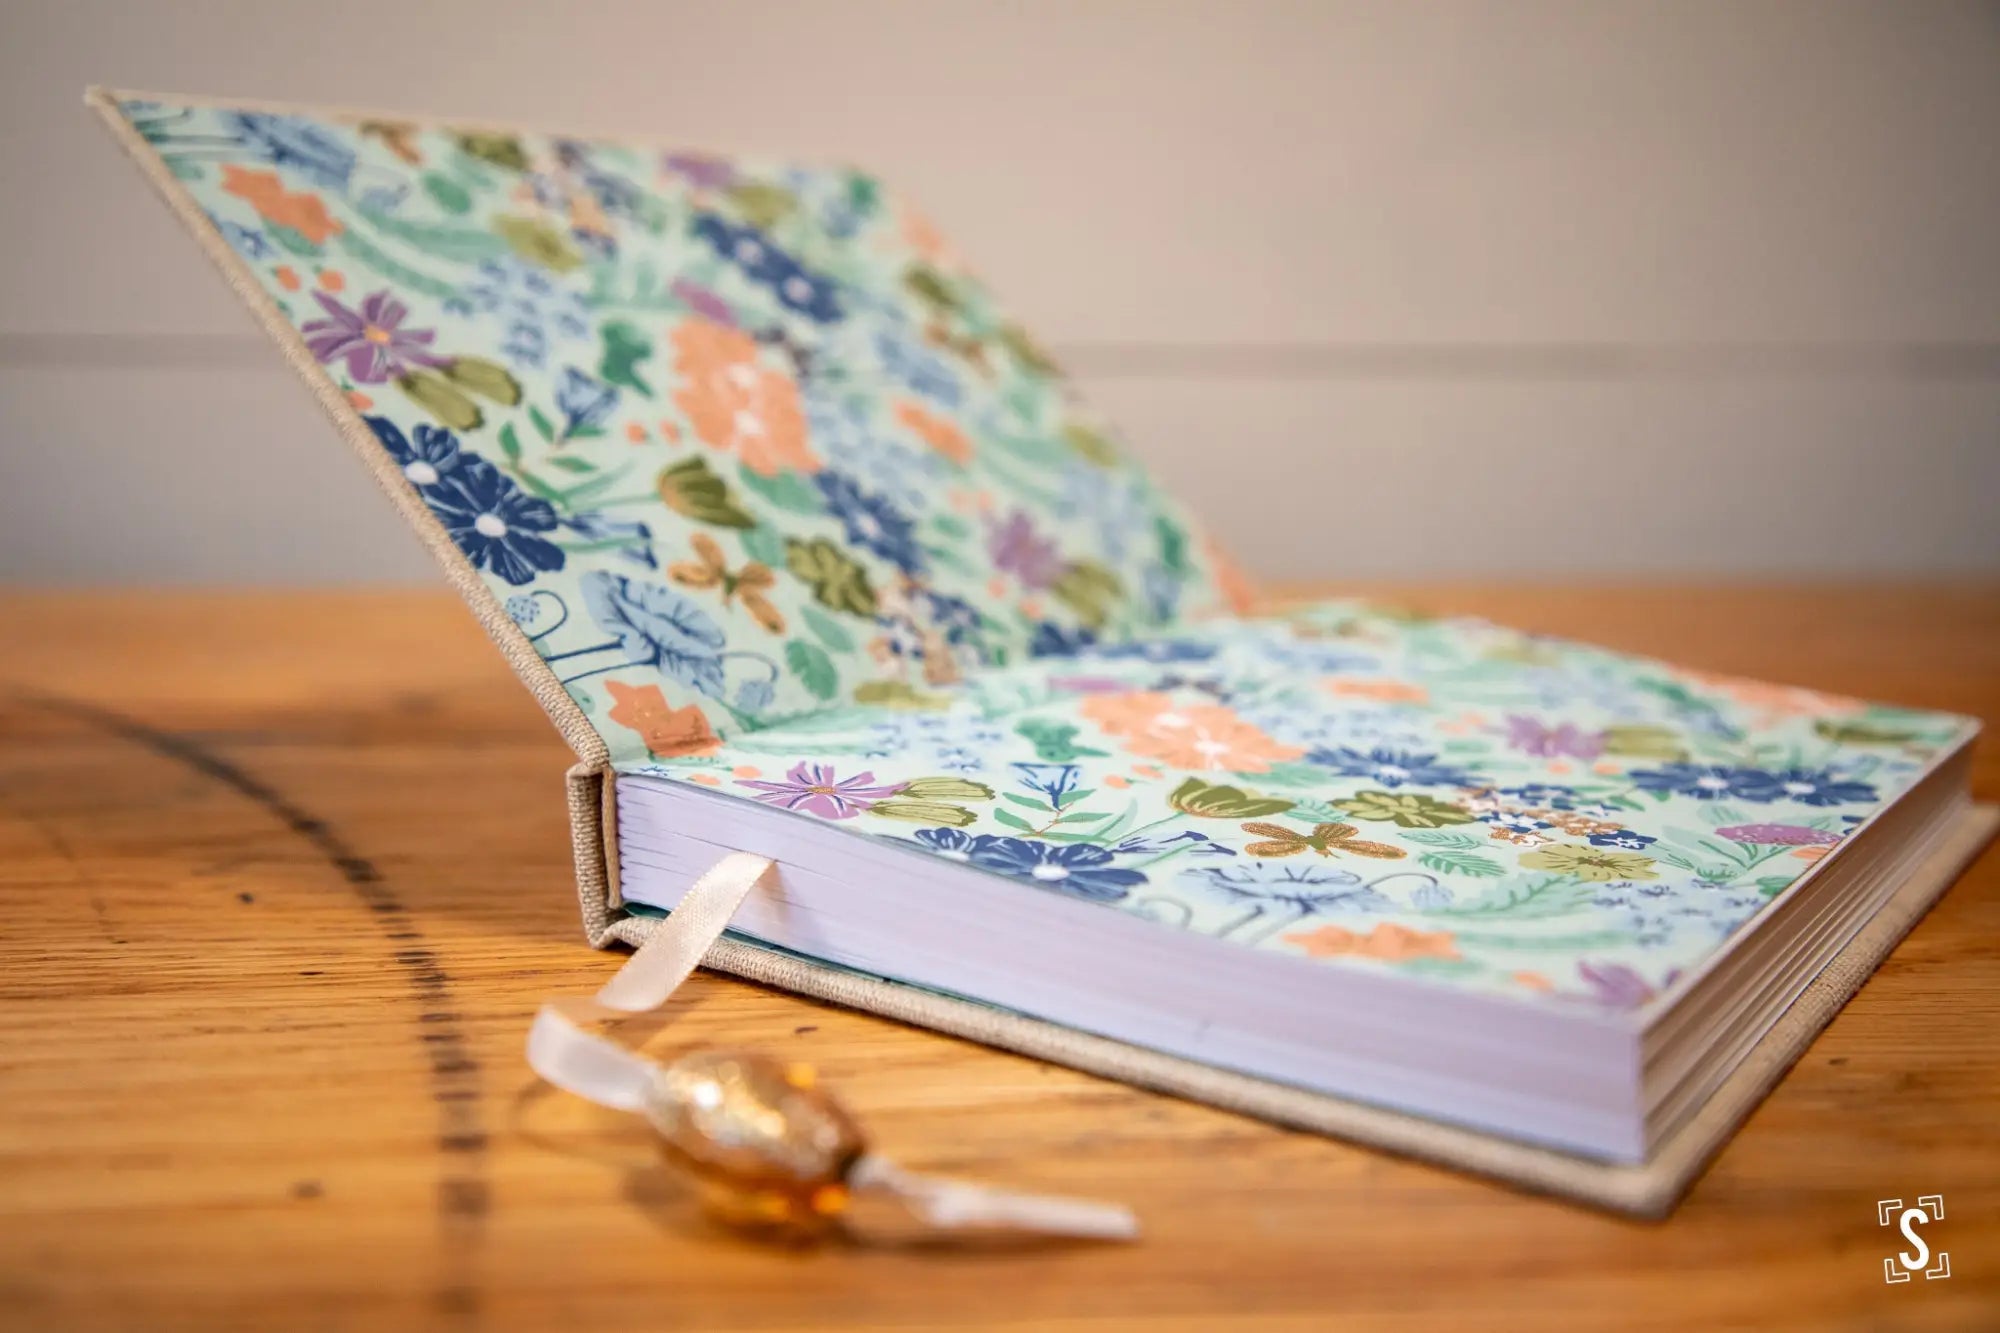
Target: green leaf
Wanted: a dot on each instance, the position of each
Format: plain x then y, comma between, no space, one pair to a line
449,194
1012,820
292,239
624,348
819,622
946,789
813,667
435,395
1027,802
690,489
510,442
1460,863
460,245
541,423
923,812
837,582
763,545
787,490
571,463
1054,742
486,378
1090,590
1208,800
951,526
1440,838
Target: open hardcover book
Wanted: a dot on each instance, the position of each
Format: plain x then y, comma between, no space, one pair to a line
810,551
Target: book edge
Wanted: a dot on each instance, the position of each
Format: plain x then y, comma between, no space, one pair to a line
1648,1191
508,637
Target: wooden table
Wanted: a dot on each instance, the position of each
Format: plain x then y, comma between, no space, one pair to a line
278,909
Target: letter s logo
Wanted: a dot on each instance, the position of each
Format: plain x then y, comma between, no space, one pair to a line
1911,1217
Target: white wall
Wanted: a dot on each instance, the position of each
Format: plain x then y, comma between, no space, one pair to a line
1550,289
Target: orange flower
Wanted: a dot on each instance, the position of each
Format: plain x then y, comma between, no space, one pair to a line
667,731
938,433
924,238
1533,981
1198,737
1389,942
736,402
287,277
332,279
1382,691
1230,578
1773,700
263,191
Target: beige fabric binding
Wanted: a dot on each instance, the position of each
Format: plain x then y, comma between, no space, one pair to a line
1650,1190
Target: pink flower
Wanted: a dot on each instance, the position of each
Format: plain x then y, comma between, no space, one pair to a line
1779,835
373,341
814,789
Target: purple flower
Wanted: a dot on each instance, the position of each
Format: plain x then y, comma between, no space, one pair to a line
703,302
1616,986
1088,684
699,170
373,341
1779,835
814,789
1016,548
1533,736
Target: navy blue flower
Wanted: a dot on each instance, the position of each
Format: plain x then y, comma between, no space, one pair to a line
493,521
585,403
872,521
1075,867
1392,768
1624,839
434,456
1822,787
1160,651
287,141
632,540
1709,782
659,627
759,258
950,843
1053,640
1055,781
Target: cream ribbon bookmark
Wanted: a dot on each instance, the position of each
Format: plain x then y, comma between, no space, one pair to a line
564,1053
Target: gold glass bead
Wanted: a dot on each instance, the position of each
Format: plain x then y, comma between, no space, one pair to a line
771,1147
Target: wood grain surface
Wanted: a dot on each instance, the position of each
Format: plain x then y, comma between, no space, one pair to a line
284,876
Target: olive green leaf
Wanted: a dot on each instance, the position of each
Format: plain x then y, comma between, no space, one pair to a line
1025,350
836,581
813,667
897,694
539,243
502,150
930,287
1644,742
624,348
1091,445
1218,801
1860,733
947,789
763,205
1404,809
486,378
1090,590
435,394
690,488
923,812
